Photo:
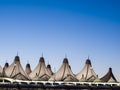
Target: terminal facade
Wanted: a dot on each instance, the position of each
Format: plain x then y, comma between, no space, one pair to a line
42,77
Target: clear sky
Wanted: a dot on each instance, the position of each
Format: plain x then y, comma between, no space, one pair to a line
58,28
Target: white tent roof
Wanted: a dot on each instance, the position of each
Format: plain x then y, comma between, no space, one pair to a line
6,65
63,72
87,72
16,71
40,71
109,75
49,69
28,69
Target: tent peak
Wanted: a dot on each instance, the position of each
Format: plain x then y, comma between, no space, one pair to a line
88,61
7,64
65,60
108,75
48,66
28,65
17,59
110,69
41,59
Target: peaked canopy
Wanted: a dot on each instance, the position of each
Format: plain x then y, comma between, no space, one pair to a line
28,69
109,76
4,68
63,73
49,69
16,71
6,65
40,71
87,72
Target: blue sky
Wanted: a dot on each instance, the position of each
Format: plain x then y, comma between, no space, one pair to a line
76,28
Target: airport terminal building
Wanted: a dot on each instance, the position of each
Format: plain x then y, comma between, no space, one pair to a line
42,77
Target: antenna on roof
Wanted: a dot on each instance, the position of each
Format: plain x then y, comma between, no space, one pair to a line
65,55
42,54
17,53
48,62
88,56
